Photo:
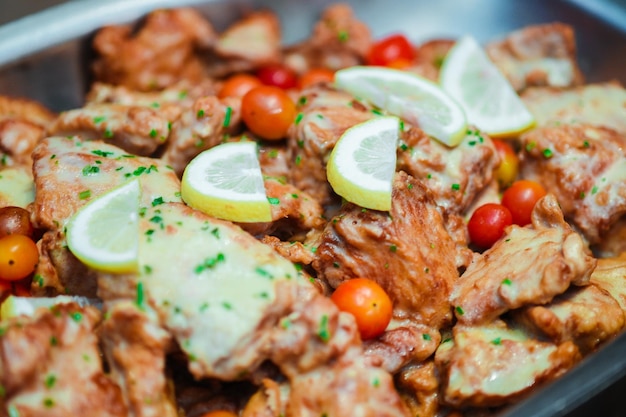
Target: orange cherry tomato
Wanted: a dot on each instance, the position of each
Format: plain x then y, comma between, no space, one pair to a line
238,85
316,76
509,163
394,48
18,257
219,413
268,112
520,198
487,224
367,302
278,76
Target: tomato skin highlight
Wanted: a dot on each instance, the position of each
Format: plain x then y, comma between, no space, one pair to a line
487,224
520,198
268,112
508,169
367,302
278,76
316,76
18,257
238,85
393,48
219,413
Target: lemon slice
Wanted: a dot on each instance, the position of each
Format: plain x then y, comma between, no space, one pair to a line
363,162
104,234
489,100
226,182
409,96
14,306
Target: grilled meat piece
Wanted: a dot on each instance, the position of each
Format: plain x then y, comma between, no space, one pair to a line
597,104
161,53
69,172
50,366
407,251
338,40
456,176
207,123
540,55
528,265
587,316
492,365
138,130
610,275
585,167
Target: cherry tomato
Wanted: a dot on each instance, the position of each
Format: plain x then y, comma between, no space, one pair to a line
268,111
367,302
509,163
520,198
487,224
238,85
316,76
278,76
21,288
15,220
391,49
18,257
219,413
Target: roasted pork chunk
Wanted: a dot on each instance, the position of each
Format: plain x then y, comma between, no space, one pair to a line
407,251
585,167
541,55
528,265
50,365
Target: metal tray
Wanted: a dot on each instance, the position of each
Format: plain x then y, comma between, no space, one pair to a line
45,57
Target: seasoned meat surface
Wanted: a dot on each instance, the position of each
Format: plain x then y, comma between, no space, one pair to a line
456,176
587,316
585,167
339,40
492,365
161,53
407,251
540,55
528,265
599,104
136,129
610,275
50,366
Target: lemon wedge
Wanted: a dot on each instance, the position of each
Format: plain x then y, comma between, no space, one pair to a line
415,99
363,162
14,306
226,182
489,100
104,234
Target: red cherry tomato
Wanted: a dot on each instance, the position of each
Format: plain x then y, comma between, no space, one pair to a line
487,224
5,288
18,257
268,112
367,302
238,85
509,163
219,413
394,48
520,198
316,76
278,76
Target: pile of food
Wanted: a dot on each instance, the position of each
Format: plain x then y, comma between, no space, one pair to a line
346,226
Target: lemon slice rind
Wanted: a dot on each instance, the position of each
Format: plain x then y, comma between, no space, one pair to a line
409,96
487,97
104,234
362,163
226,182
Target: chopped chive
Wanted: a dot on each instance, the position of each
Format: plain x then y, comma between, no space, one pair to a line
227,116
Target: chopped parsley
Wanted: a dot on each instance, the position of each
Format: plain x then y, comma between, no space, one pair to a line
323,331
459,310
210,263
83,195
227,116
200,113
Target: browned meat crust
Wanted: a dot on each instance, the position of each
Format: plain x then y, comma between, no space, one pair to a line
50,366
407,251
528,265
